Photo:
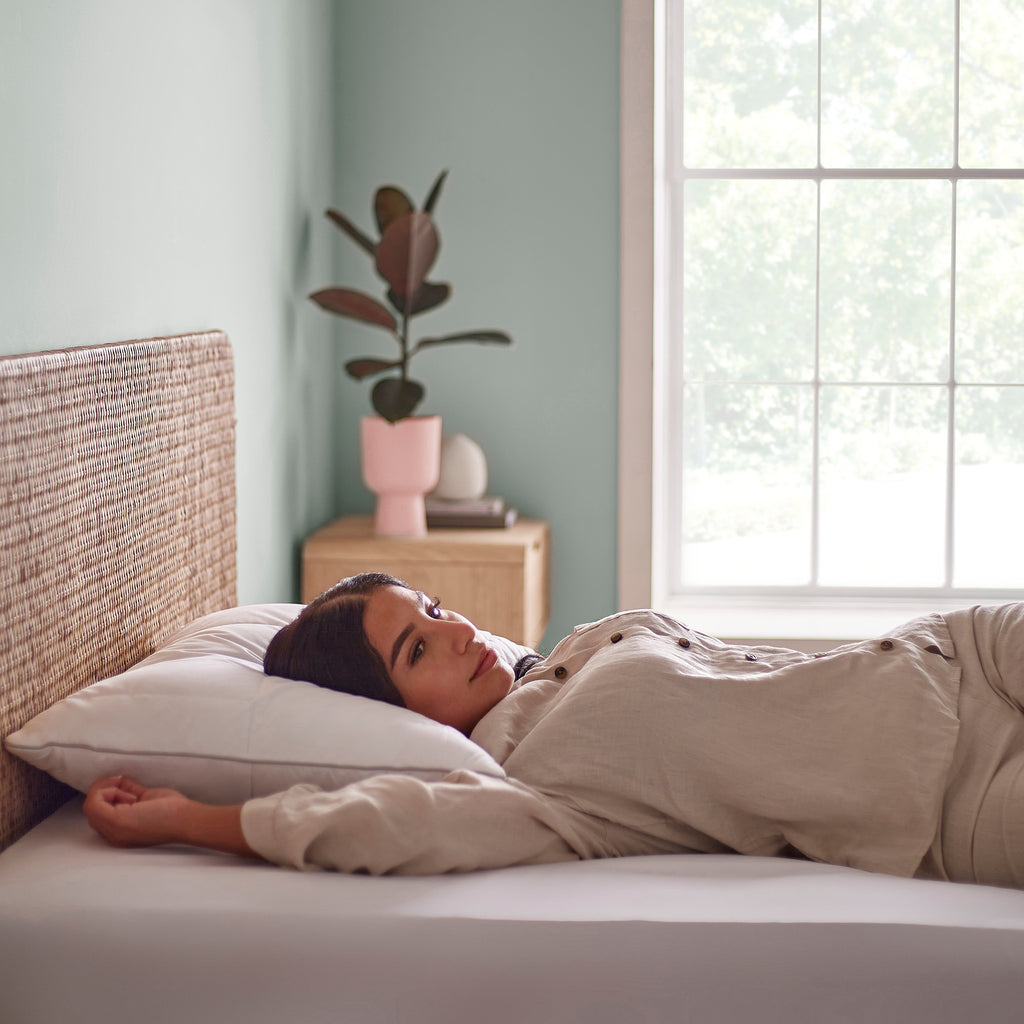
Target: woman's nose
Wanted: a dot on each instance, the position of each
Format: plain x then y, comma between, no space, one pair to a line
459,632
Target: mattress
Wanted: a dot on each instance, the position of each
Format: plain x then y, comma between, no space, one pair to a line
90,933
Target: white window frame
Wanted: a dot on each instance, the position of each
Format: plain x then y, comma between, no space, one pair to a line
637,300
810,622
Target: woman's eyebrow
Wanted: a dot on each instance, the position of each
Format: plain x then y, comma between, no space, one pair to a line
405,633
398,645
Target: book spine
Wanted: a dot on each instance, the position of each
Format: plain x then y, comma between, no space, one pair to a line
483,521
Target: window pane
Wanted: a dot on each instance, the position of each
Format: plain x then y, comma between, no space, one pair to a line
988,549
815,313
885,271
991,100
990,281
883,486
748,275
750,83
746,497
887,83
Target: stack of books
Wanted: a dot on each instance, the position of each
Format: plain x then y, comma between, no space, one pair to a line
471,513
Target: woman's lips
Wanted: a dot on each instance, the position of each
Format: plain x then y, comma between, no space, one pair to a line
487,660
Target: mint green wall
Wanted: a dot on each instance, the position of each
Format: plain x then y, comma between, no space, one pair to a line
519,100
165,167
160,162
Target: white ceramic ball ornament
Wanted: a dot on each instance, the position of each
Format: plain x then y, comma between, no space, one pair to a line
463,469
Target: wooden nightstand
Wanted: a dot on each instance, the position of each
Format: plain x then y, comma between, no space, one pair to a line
497,578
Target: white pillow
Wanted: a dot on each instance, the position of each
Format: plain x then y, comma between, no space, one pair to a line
200,715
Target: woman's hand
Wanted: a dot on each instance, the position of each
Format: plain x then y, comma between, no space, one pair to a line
127,814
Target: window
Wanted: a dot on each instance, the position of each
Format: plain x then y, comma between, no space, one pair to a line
838,399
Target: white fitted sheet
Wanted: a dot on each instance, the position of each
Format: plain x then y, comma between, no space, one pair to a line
89,933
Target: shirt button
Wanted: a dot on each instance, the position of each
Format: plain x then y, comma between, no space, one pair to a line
887,645
750,657
616,637
561,672
683,642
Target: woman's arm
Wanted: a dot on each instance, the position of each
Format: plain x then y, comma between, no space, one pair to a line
398,824
127,814
386,824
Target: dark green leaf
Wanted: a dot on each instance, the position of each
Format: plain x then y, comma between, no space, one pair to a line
389,204
430,296
360,368
346,302
352,231
435,192
484,337
395,398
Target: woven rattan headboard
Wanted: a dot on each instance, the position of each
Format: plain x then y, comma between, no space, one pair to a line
117,522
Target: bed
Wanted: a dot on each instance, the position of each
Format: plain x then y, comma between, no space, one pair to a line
117,480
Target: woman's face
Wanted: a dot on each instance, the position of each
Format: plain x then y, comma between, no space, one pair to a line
438,662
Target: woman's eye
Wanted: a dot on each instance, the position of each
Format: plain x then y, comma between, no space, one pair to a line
417,652
434,611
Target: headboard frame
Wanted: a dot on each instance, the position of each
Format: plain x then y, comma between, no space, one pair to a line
117,522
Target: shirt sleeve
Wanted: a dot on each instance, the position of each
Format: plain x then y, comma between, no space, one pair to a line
397,824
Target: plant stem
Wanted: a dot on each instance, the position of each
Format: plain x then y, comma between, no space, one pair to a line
404,338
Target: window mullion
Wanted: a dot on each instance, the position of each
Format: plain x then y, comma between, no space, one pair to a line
951,422
956,84
816,407
816,386
951,404
817,158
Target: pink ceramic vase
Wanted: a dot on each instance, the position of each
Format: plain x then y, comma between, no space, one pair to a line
401,463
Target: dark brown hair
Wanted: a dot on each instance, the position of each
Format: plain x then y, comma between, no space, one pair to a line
327,645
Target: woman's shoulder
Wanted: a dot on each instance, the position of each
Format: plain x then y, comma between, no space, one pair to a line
646,618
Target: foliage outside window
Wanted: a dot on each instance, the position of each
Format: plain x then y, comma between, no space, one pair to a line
845,228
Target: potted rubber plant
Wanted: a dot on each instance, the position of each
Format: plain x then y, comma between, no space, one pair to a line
400,451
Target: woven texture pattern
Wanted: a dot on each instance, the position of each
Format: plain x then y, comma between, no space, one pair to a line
117,484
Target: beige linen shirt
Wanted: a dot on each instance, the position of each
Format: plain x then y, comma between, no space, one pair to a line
639,735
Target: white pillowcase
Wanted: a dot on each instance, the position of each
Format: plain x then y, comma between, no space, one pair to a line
199,715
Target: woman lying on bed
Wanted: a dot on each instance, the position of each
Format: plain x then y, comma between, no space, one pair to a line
639,735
